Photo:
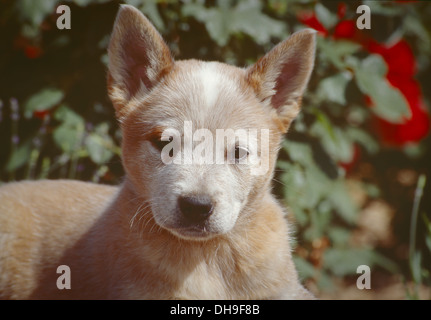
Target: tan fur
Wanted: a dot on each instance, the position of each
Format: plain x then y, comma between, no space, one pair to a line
111,238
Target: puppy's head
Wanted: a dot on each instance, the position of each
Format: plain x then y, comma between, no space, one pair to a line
200,139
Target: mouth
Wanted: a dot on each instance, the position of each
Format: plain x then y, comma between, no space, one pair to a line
195,232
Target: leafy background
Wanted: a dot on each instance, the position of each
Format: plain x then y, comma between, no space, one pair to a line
353,169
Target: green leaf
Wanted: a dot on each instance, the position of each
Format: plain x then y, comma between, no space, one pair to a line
43,100
428,242
389,103
301,216
100,145
319,221
84,3
363,138
427,224
294,183
294,187
35,11
428,229
413,26
372,190
68,138
339,236
96,146
324,281
279,6
306,184
19,157
415,266
342,262
225,20
381,8
298,152
305,188
335,142
215,21
67,115
316,187
342,201
323,119
305,269
333,88
249,19
69,135
337,52
375,64
326,17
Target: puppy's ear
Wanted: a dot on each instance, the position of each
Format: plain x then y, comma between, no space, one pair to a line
280,77
138,57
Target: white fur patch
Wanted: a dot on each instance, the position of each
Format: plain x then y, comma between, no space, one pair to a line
214,82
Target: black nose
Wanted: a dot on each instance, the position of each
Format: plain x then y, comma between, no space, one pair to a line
195,208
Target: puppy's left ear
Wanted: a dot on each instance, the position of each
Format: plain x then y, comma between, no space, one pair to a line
280,77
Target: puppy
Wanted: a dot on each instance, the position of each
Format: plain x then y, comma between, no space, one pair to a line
179,226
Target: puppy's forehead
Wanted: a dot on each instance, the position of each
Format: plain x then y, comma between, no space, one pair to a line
211,95
215,83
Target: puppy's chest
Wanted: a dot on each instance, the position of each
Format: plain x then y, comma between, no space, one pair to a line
206,281
225,281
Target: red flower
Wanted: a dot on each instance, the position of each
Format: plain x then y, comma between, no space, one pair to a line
32,52
399,57
41,114
401,69
310,19
412,131
341,10
409,87
345,29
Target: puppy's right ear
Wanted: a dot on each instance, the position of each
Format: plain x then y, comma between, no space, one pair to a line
138,57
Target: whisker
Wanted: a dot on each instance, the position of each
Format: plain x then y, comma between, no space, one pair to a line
280,182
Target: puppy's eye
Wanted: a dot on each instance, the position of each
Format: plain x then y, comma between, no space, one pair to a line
159,144
240,153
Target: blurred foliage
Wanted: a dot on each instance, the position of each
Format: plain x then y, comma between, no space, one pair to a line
57,122
420,274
